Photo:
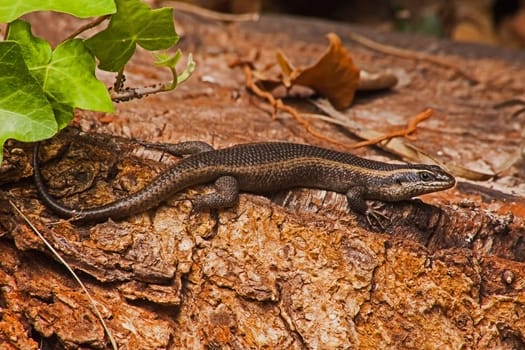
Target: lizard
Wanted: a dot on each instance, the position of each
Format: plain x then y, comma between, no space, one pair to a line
264,168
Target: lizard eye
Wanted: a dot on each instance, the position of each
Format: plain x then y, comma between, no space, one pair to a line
425,176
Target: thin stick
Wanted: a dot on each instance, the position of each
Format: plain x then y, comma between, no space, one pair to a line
413,55
278,104
55,253
87,26
119,81
214,15
411,127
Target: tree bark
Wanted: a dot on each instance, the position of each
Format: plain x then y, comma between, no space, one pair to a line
295,270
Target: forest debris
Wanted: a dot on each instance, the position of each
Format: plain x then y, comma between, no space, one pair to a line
402,148
411,128
413,55
278,104
334,75
91,300
213,15
373,81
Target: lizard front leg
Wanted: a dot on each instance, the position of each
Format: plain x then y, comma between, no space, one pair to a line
356,202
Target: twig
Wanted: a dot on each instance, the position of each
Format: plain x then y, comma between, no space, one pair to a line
213,15
87,26
278,104
413,55
399,146
6,31
129,94
55,253
119,81
120,93
411,127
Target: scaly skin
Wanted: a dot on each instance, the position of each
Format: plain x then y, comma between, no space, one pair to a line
263,168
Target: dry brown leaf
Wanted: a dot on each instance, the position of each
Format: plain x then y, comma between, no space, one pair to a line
373,81
287,69
334,76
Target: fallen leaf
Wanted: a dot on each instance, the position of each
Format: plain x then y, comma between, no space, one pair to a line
369,81
334,76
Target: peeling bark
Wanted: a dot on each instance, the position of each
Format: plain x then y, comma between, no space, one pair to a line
296,270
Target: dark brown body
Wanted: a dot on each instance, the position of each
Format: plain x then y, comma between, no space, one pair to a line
269,167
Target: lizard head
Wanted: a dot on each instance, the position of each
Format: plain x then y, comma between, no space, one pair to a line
414,180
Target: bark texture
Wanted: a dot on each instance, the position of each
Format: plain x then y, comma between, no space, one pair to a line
292,271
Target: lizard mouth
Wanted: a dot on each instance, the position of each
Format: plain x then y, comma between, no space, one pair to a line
447,181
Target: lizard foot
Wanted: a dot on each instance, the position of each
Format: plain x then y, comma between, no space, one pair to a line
373,214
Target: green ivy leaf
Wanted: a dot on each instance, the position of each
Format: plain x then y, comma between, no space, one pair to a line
188,71
36,51
63,112
134,23
12,9
25,112
70,79
67,74
170,61
165,60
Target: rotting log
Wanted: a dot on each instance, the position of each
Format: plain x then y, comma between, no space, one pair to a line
295,270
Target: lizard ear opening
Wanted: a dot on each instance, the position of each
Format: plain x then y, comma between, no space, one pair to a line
398,179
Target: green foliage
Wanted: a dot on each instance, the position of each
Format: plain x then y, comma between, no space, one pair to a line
169,61
60,81
40,87
190,67
25,112
428,25
66,75
165,60
12,9
134,23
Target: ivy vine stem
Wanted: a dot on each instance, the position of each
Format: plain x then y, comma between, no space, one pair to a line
87,26
119,82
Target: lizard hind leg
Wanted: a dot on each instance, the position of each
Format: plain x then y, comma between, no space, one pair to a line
226,195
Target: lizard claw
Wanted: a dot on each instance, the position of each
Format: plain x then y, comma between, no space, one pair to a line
373,214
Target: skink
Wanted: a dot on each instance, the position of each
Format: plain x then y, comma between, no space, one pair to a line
264,168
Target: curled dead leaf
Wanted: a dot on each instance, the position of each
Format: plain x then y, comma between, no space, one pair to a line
369,81
334,75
